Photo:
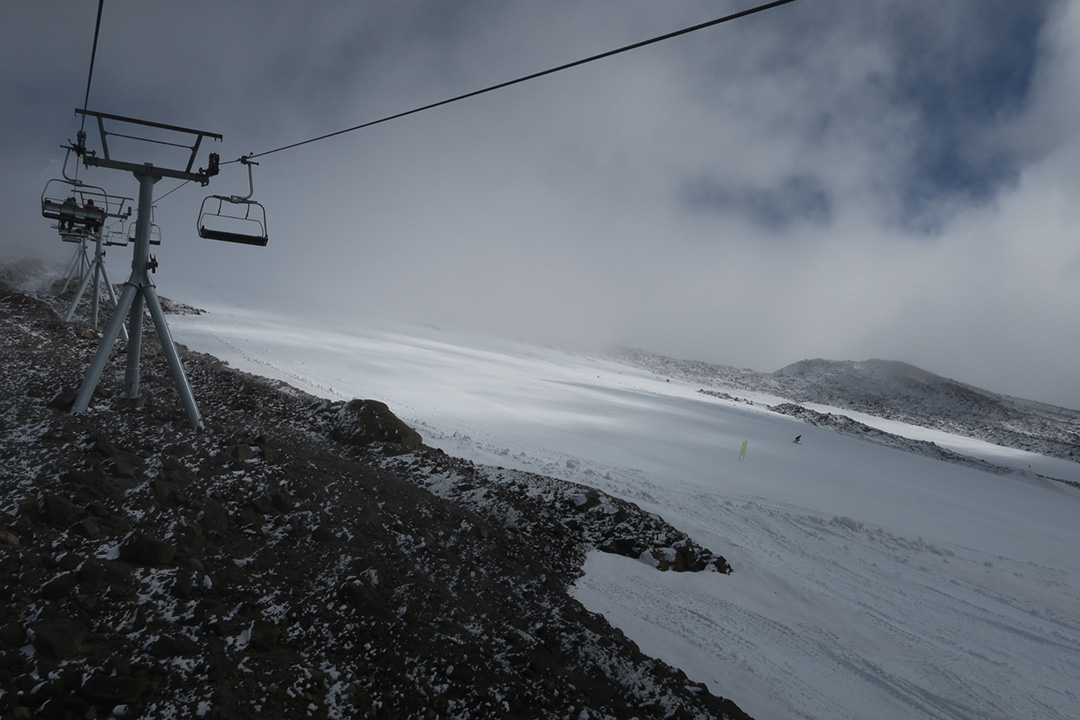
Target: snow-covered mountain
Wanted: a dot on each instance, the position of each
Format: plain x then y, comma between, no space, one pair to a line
896,391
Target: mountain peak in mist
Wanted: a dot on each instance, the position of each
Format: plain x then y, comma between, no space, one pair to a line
891,381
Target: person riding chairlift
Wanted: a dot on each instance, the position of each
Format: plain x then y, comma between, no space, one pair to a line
67,214
91,221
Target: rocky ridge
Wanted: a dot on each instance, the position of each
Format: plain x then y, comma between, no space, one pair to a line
296,558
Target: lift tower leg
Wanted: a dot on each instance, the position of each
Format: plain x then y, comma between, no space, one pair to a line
139,292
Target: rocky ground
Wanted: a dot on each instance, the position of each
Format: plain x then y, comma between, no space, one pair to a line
295,558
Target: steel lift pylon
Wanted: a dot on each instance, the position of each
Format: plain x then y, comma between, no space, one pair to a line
139,292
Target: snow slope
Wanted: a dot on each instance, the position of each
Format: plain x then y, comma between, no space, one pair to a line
869,582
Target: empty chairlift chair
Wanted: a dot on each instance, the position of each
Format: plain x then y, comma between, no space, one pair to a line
115,235
155,232
234,218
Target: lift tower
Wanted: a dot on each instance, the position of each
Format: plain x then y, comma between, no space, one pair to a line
139,290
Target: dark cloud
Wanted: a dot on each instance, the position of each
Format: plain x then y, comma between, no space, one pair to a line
794,199
965,71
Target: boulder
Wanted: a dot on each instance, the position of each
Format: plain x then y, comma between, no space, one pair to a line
363,422
58,638
146,550
12,634
58,509
213,516
114,690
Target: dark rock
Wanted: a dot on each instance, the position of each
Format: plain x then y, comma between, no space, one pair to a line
114,690
91,572
362,422
119,666
282,500
126,403
625,546
262,502
87,528
164,491
12,634
264,635
58,638
240,452
182,587
167,646
64,399
146,550
213,516
52,709
59,587
111,459
58,510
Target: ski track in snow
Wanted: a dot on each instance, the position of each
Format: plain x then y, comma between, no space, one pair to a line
853,615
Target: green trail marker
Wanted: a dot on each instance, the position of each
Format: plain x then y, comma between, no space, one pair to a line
742,453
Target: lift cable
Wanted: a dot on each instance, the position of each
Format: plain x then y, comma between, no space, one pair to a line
93,55
89,78
567,66
162,197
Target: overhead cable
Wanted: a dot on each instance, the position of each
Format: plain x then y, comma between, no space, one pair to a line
567,66
93,55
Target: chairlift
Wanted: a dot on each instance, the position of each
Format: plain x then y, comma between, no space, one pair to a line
79,208
155,233
65,201
155,229
114,234
73,234
234,218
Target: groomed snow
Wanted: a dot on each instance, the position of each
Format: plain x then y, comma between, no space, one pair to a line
869,582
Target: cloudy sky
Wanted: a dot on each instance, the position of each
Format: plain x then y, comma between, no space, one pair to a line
896,179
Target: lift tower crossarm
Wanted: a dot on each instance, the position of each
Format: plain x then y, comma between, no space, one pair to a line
195,141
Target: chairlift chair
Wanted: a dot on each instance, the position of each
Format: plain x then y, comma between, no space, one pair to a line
61,205
114,235
72,235
155,233
234,218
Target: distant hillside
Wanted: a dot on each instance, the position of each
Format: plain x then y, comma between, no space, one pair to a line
895,391
889,386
